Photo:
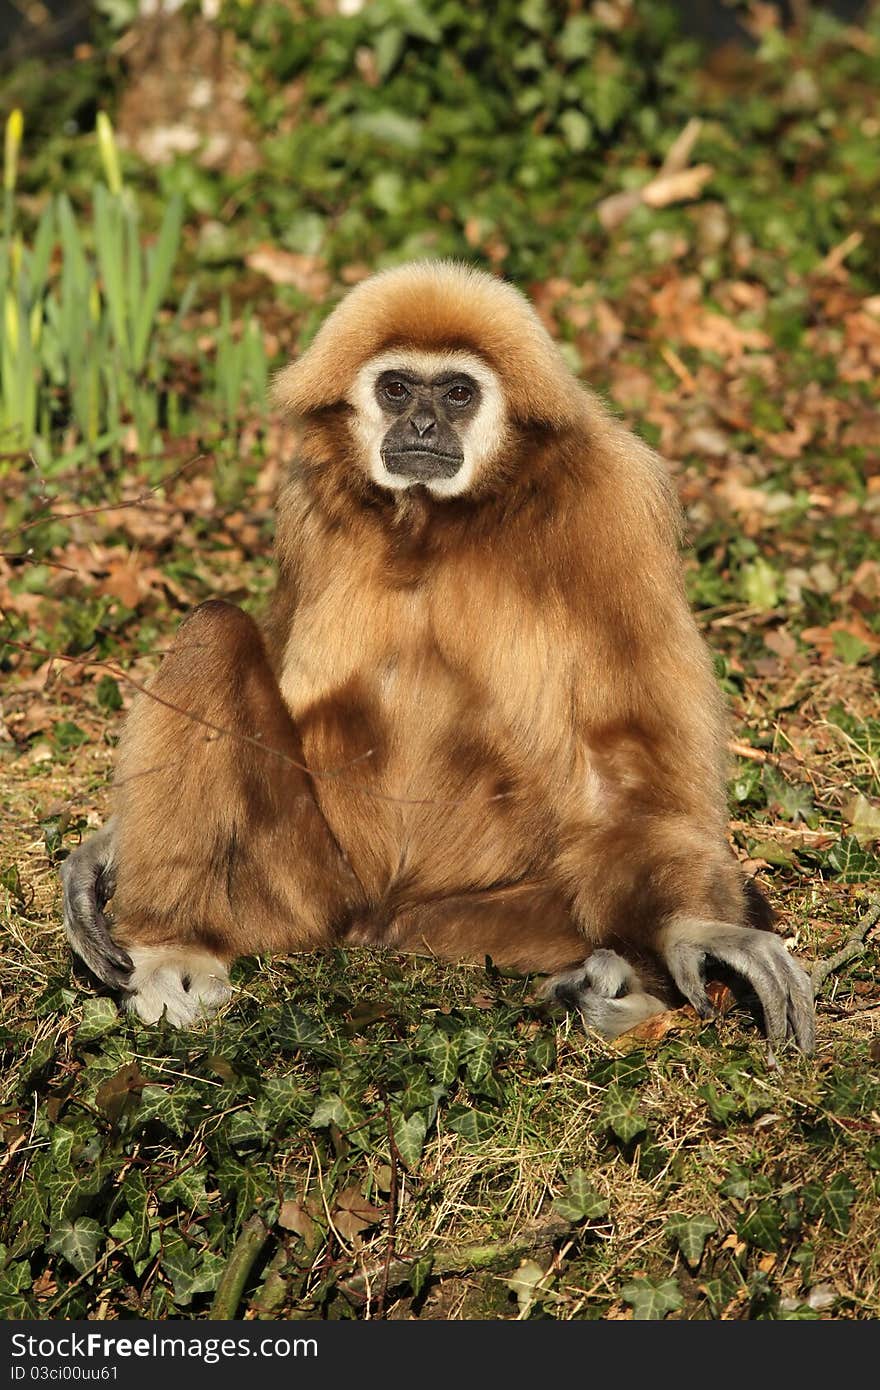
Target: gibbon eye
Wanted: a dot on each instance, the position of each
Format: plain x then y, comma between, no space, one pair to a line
460,395
395,391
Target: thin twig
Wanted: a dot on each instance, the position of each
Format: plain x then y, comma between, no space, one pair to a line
46,514
488,1255
854,947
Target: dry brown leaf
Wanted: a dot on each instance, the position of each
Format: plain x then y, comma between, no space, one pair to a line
353,1214
683,1020
823,637
614,210
680,150
866,579
720,996
308,274
677,188
294,1217
782,643
127,581
864,818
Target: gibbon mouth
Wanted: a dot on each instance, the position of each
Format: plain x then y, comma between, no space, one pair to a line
422,464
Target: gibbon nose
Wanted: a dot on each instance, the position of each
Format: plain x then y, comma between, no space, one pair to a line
423,423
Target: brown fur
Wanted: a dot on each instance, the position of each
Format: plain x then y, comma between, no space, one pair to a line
513,731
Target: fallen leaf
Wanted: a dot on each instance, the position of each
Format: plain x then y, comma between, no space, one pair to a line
683,1020
864,817
676,188
294,1217
113,1093
353,1214
782,643
823,638
308,274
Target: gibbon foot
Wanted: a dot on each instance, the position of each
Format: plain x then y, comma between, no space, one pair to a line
89,879
607,992
782,986
188,986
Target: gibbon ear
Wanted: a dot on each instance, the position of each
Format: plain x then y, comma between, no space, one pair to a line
437,305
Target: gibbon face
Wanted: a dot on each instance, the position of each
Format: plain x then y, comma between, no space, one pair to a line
468,363
429,419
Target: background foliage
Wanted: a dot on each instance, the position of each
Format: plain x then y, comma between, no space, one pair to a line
368,1136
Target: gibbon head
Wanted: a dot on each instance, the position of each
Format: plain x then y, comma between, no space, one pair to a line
437,372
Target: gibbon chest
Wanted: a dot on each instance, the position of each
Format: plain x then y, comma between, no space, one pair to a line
433,723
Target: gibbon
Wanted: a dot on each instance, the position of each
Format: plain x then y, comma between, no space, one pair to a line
478,720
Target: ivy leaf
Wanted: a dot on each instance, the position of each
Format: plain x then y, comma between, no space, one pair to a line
178,1263
15,1280
409,1136
418,1094
832,1203
61,1146
67,1196
472,1125
580,1201
100,1016
334,1110
795,802
251,1185
852,863
244,1131
32,1207
134,1191
488,1088
721,1104
297,1032
419,1273
77,1241
169,1107
478,1053
651,1299
282,1097
719,1290
740,1183
620,1113
690,1234
207,1275
542,1053
442,1054
187,1189
762,1228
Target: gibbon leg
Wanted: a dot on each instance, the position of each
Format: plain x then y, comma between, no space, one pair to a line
217,846
530,928
669,892
524,927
